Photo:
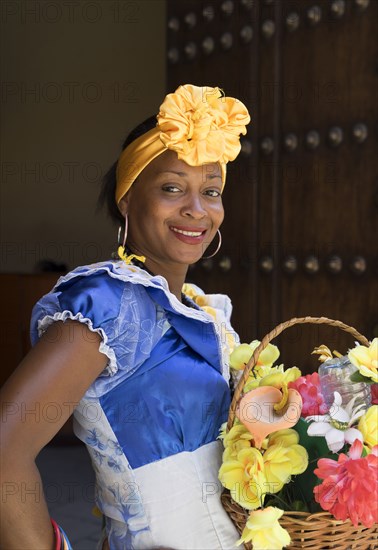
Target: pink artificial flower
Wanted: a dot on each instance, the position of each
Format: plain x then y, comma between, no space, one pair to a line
309,388
374,394
350,486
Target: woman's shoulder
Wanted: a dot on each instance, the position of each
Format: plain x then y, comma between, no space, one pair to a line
110,298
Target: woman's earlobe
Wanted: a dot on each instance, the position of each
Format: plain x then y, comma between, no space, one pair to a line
123,206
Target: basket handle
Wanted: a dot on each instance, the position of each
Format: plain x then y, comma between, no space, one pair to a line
269,337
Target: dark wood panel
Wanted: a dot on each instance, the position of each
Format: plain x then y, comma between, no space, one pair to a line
327,193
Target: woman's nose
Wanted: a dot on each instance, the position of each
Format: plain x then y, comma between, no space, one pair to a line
194,207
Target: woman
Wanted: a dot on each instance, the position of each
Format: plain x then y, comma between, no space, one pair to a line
142,363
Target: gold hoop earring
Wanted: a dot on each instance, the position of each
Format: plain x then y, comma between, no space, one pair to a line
122,252
217,248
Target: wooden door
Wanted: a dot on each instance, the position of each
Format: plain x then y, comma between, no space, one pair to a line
302,200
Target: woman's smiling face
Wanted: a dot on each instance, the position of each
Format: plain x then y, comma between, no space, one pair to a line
174,210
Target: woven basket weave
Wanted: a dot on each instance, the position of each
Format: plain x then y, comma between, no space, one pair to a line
319,531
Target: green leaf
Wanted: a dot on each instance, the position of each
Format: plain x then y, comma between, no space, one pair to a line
358,377
303,486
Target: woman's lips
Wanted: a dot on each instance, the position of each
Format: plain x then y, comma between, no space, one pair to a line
189,235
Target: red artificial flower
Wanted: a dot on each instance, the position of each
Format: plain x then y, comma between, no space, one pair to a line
309,388
350,486
374,394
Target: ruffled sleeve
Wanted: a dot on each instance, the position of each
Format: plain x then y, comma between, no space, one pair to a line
115,309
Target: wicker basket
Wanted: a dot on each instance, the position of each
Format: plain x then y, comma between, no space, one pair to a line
319,531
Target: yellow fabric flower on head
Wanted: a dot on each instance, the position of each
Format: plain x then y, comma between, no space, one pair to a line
368,426
245,478
366,360
264,531
202,125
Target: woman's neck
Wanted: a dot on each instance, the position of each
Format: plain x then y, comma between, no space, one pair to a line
175,275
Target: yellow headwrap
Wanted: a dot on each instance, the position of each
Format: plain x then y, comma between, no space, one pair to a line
199,123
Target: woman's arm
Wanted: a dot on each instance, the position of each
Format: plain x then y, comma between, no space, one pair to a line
53,376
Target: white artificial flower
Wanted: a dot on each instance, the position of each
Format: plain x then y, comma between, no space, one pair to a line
335,426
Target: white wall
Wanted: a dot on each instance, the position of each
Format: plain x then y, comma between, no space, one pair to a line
76,76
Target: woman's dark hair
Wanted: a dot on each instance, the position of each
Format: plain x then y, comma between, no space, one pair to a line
107,194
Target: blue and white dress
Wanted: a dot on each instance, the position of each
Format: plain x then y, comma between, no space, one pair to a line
151,420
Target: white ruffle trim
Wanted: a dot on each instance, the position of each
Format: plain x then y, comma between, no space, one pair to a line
135,275
48,320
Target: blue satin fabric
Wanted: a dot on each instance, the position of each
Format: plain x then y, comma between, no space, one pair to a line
175,402
102,301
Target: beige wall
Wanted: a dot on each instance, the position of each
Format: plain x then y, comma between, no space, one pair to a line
76,76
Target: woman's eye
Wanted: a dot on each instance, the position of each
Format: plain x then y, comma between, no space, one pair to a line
213,193
171,188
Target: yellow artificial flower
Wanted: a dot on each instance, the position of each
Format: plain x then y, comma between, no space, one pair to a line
245,478
258,374
238,431
366,360
211,311
278,378
231,452
368,426
189,291
280,381
242,354
201,300
264,531
298,457
202,125
284,437
278,468
282,462
235,440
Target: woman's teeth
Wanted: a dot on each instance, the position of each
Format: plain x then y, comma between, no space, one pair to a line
187,233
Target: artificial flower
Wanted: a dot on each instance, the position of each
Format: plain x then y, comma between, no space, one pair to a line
189,290
284,437
309,388
264,531
243,353
202,125
260,372
263,453
245,478
366,360
368,426
215,306
236,439
257,411
278,379
325,353
282,462
336,425
298,455
350,486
